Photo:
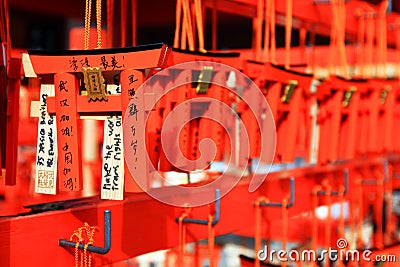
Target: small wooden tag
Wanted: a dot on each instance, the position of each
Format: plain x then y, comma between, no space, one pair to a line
94,83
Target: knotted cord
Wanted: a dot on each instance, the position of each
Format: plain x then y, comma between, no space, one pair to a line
83,235
88,15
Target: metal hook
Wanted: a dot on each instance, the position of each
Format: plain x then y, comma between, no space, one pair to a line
205,222
385,175
346,185
277,204
94,249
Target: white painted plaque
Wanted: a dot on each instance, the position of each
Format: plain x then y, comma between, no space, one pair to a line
46,153
112,183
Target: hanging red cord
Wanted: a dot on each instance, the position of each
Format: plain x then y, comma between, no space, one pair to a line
329,219
390,227
182,240
98,23
361,42
187,25
110,23
382,41
370,29
360,213
341,218
211,240
199,20
124,8
267,21
88,12
288,30
332,45
134,21
178,15
273,37
284,227
257,238
342,39
337,45
314,235
257,24
379,212
184,33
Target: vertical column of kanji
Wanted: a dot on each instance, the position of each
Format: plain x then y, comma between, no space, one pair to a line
68,129
132,106
46,153
112,184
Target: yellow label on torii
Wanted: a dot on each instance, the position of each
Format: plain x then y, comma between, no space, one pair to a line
94,83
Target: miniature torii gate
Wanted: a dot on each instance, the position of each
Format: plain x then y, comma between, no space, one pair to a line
64,70
71,101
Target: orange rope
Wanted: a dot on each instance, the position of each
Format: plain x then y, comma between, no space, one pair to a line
199,19
382,53
342,40
370,43
315,220
341,218
390,227
88,15
110,22
379,212
333,39
182,241
360,214
361,43
258,28
284,227
257,238
267,15
288,29
88,12
178,15
184,34
338,37
329,219
98,23
187,23
273,37
211,234
82,234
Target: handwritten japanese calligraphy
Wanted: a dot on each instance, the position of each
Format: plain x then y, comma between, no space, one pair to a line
107,62
113,160
69,165
46,153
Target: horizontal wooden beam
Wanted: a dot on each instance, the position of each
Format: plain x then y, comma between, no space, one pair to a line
140,224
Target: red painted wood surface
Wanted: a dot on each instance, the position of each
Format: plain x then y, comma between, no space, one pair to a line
315,16
141,224
14,73
131,80
123,58
68,132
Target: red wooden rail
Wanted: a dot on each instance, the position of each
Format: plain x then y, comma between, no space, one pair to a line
141,224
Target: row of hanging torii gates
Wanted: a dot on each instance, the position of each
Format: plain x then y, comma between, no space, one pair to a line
345,128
